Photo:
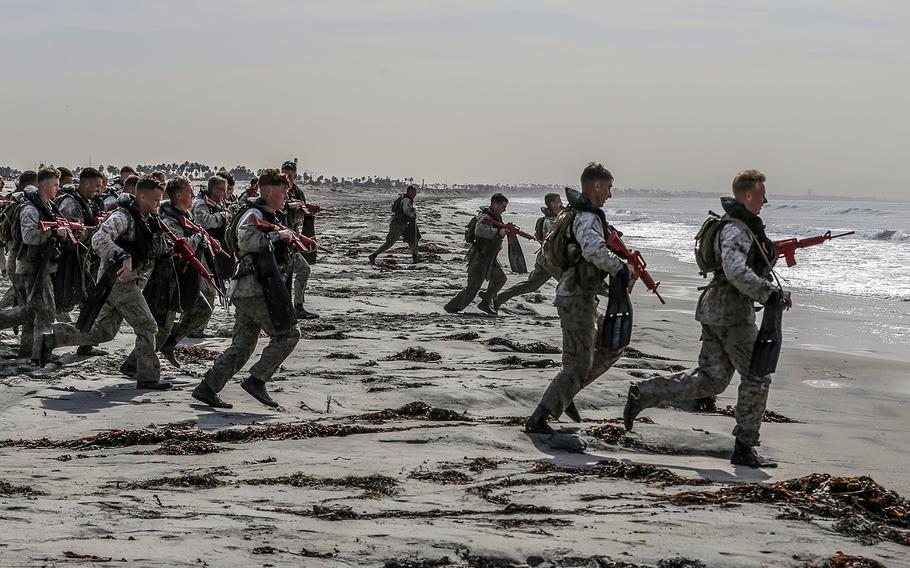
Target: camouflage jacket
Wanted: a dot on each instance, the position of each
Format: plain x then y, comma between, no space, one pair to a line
730,299
586,276
118,226
487,238
250,241
207,216
34,241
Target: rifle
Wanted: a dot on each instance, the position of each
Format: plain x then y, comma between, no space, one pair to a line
184,252
62,223
636,263
304,244
313,208
210,243
787,248
511,228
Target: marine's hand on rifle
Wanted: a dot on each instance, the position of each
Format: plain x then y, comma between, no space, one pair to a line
788,300
286,235
126,269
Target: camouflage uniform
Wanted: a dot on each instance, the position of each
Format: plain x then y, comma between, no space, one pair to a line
170,329
34,286
483,264
401,217
727,315
252,315
125,302
76,208
214,219
299,268
583,359
539,276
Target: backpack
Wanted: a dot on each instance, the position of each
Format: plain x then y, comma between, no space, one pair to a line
230,233
10,233
469,230
705,252
556,243
396,205
538,229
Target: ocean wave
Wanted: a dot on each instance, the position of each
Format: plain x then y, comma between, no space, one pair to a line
888,235
625,215
853,211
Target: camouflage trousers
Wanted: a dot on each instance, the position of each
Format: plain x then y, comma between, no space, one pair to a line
396,230
193,321
583,359
299,269
478,272
126,302
538,277
252,317
39,314
173,325
724,349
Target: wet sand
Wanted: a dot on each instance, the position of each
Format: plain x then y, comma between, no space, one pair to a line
327,481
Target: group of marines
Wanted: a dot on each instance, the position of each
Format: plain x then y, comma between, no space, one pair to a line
118,253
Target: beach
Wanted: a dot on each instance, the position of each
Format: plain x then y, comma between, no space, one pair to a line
400,440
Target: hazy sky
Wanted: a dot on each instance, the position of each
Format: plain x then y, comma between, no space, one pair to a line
671,94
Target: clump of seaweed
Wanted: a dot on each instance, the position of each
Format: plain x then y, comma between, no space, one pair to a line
373,486
770,416
194,353
416,354
443,477
532,347
841,560
416,410
8,490
516,361
826,496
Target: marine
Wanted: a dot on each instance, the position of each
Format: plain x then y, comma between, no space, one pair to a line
404,215
483,264
301,219
131,238
583,358
542,271
726,312
260,296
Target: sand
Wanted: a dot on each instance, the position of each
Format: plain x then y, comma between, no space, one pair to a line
343,487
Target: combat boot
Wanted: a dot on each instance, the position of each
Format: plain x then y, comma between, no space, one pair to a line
537,422
204,394
485,306
372,259
90,351
632,409
168,350
48,342
153,384
256,388
749,457
415,259
572,412
302,313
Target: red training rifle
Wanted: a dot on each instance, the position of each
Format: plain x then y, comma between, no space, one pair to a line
787,248
636,263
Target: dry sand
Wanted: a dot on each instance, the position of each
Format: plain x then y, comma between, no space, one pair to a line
342,488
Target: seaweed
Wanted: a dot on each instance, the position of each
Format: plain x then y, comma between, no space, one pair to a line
770,416
416,354
841,560
443,477
826,496
342,356
8,490
416,410
532,347
516,361
195,353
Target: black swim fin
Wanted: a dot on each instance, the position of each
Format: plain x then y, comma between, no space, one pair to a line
770,337
516,256
617,325
97,296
